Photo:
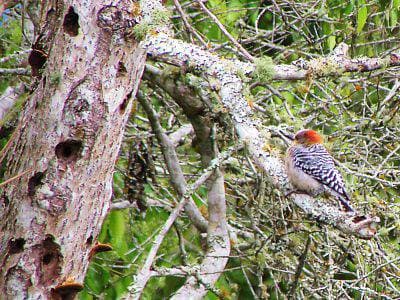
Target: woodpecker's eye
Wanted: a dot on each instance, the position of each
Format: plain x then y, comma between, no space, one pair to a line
299,137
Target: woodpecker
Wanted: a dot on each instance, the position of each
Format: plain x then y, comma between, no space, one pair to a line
311,168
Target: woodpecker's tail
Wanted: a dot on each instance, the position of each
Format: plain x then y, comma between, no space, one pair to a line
344,200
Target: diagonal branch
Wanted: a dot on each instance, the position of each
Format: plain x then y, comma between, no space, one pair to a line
140,281
187,24
218,244
15,71
249,129
225,32
171,159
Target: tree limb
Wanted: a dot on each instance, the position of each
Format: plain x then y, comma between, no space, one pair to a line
218,245
136,289
162,47
171,159
15,71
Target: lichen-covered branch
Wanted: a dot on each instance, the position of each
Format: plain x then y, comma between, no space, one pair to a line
177,136
162,47
136,289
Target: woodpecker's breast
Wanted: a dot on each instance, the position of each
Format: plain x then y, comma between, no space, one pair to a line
299,179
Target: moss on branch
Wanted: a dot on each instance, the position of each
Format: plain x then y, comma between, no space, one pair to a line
265,69
160,18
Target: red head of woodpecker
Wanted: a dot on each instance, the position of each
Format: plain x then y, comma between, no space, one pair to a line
308,137
311,169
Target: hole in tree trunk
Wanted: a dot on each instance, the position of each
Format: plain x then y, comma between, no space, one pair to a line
34,182
71,22
37,59
69,150
47,258
16,245
4,200
50,257
121,69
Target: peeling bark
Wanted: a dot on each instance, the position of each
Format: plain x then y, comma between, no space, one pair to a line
67,143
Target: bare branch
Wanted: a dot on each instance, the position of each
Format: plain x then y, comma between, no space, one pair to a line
149,202
136,289
218,245
302,260
18,55
223,29
9,97
177,136
171,159
187,24
7,4
15,71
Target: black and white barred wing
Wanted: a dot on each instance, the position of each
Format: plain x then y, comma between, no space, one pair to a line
318,163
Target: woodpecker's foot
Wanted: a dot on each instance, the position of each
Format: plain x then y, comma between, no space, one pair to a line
294,192
345,206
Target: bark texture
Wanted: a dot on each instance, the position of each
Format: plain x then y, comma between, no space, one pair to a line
65,148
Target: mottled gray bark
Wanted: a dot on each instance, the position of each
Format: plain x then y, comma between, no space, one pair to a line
65,148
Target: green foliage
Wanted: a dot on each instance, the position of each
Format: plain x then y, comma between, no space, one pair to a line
229,13
362,16
10,41
10,36
55,78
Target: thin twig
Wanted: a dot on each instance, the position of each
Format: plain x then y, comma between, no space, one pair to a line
227,34
171,159
302,261
15,71
15,177
187,24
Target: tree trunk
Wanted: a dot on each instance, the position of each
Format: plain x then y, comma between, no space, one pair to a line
64,150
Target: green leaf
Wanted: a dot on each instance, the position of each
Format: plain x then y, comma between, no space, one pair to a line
326,28
117,231
236,11
393,17
331,41
362,18
216,4
97,278
349,8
